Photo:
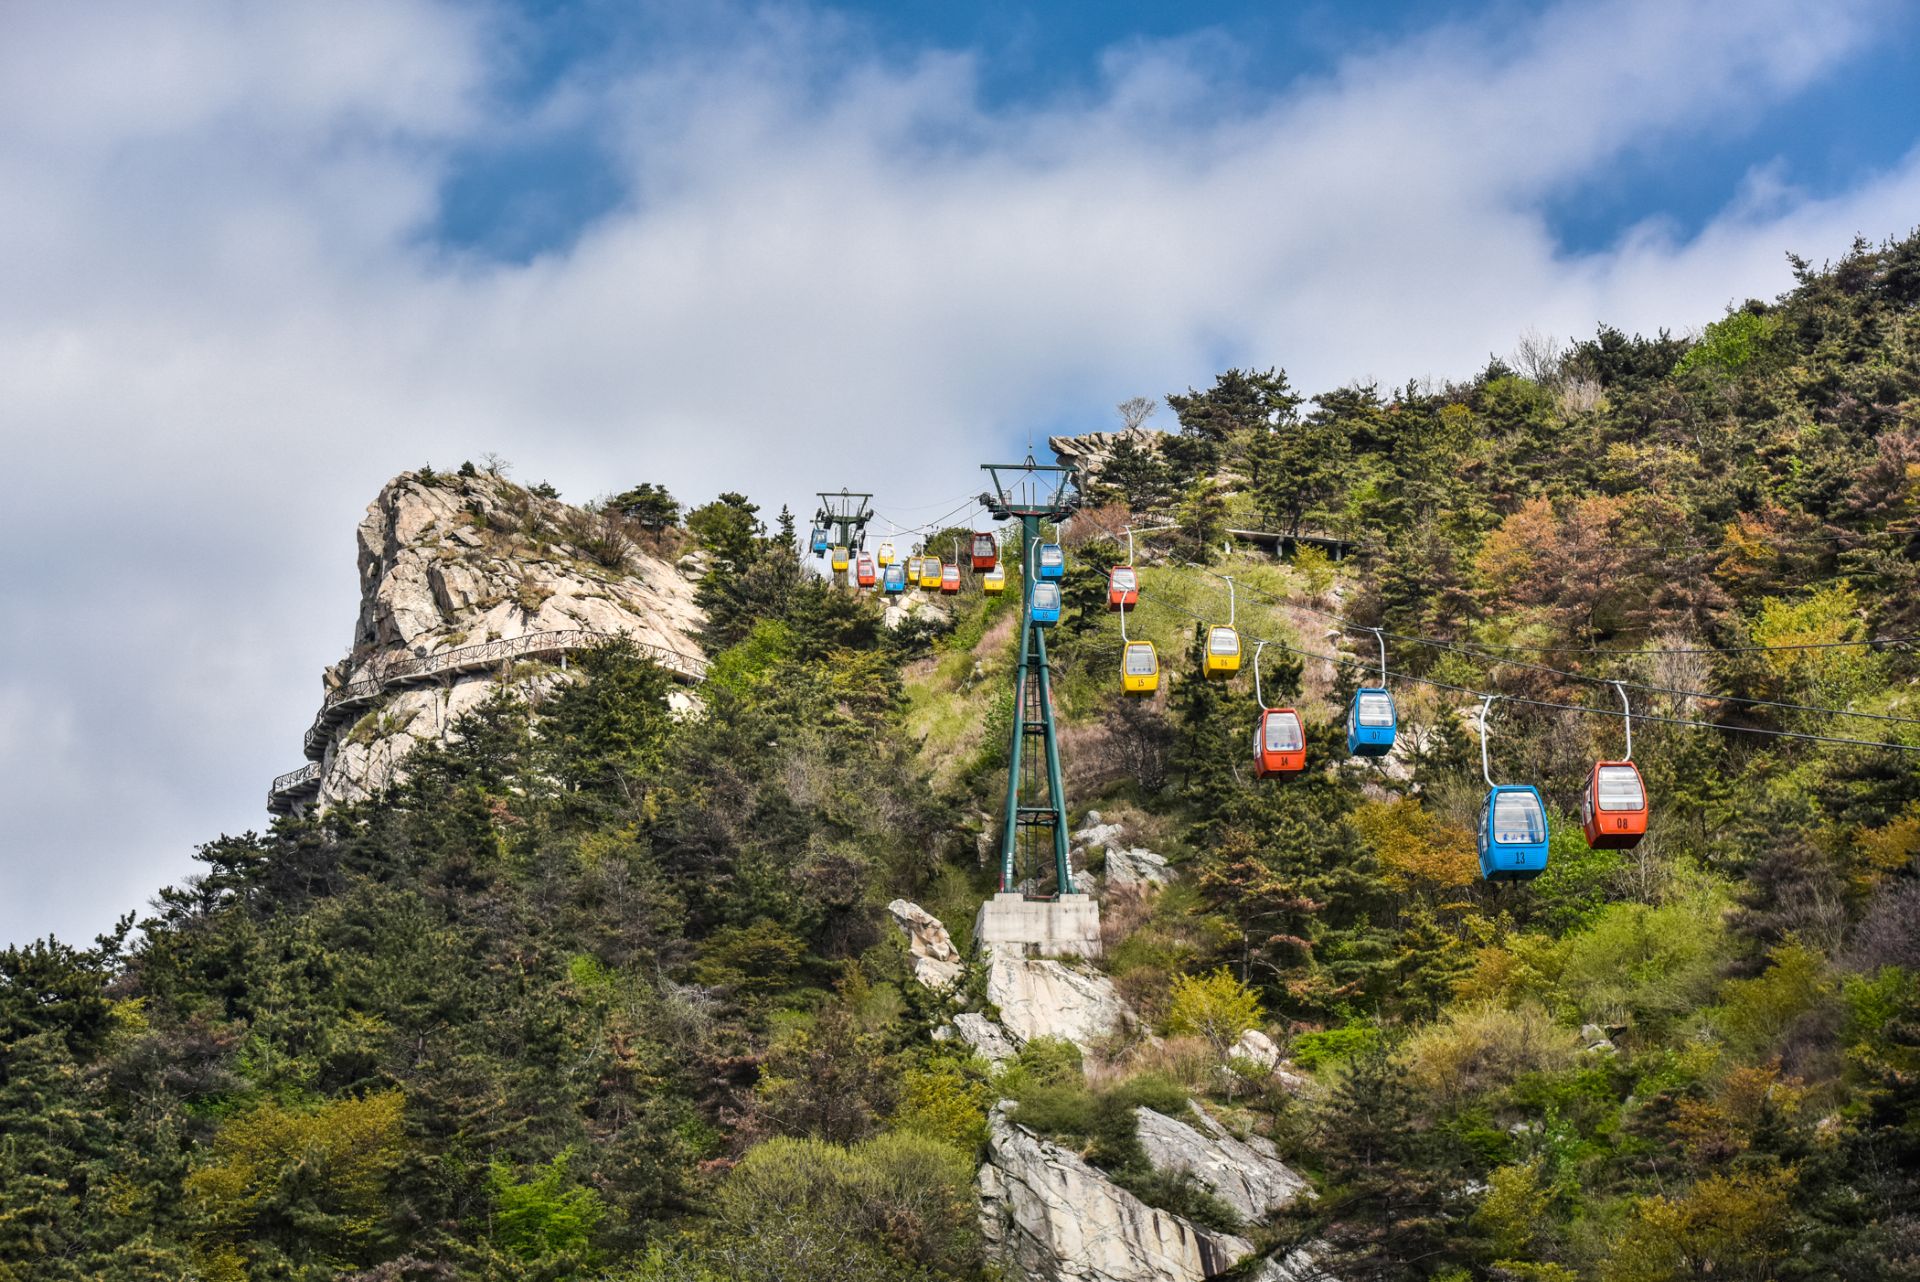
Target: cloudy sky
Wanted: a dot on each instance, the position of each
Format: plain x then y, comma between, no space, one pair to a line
254,259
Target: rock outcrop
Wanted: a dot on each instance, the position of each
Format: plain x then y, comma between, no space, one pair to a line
1041,997
1127,866
455,565
1302,1264
936,962
1247,1175
1256,1051
1089,453
985,1036
1048,1215
1136,867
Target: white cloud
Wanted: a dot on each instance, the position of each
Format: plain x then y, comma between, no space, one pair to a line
222,324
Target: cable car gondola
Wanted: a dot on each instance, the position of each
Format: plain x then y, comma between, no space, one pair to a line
820,540
949,579
1223,643
1613,806
1123,588
1372,718
929,571
986,551
1513,822
840,558
884,557
895,581
1139,668
863,571
1052,562
994,581
1045,603
1139,664
1279,736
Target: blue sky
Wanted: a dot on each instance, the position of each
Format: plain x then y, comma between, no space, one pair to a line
523,199
256,259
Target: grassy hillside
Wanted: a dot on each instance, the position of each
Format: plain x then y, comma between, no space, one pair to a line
598,992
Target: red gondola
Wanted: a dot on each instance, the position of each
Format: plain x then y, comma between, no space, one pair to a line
1613,805
1279,743
986,551
949,579
1279,736
863,571
1123,588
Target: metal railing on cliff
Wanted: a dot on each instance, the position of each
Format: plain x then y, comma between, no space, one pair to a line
343,703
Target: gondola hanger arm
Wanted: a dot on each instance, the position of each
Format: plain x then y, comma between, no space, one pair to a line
1486,767
1151,529
1626,710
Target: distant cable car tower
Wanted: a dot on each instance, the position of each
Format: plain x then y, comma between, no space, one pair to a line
1034,822
843,518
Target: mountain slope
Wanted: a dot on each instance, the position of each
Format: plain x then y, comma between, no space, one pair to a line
595,988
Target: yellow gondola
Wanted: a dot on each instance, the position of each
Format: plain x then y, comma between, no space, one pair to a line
1139,668
929,571
1223,651
840,559
884,557
1223,643
994,581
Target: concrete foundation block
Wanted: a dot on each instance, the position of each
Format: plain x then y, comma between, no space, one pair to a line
1068,926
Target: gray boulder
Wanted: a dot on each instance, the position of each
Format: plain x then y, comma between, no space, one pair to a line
985,1036
1247,1175
1136,867
1042,997
1048,1215
936,962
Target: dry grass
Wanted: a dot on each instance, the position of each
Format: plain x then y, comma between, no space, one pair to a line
1188,1061
1478,1048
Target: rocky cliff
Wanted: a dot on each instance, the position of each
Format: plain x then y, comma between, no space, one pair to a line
468,581
1047,1213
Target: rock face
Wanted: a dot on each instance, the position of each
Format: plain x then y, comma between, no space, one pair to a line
1128,866
1247,1175
1299,1265
936,962
1048,1215
1089,453
916,604
1041,997
449,563
984,1036
1257,1049
1136,867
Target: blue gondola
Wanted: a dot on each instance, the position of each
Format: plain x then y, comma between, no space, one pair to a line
1053,562
822,538
1372,718
1513,833
1370,723
1046,603
896,579
1513,823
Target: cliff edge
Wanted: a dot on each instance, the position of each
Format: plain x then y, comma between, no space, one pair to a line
469,581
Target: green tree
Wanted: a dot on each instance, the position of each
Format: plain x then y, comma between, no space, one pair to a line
647,505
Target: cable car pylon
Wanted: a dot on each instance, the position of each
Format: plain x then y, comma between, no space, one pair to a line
1036,804
840,528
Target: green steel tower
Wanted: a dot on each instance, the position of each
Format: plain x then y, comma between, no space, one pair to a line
1035,819
847,514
